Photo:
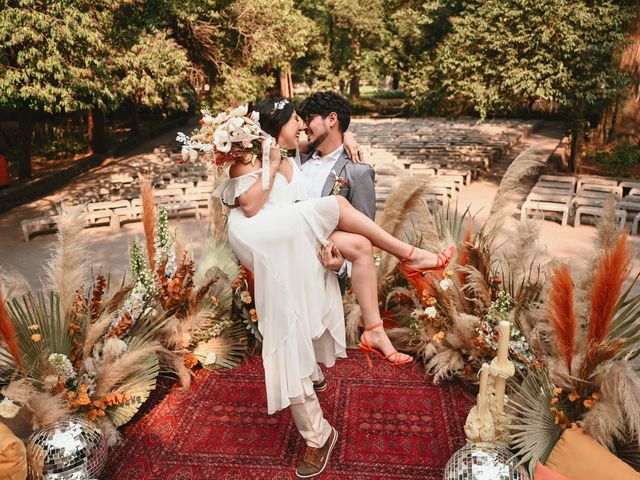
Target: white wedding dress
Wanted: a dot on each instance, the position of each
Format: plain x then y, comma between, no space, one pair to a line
298,301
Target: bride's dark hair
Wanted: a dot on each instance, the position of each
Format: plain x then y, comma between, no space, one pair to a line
274,112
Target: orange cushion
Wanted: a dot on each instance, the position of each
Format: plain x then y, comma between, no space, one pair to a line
579,457
13,455
545,473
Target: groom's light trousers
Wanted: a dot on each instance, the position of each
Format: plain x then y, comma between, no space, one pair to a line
310,420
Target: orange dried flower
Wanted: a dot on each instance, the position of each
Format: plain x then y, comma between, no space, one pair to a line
190,360
554,400
81,398
573,396
34,327
557,391
595,396
36,337
96,297
123,326
588,403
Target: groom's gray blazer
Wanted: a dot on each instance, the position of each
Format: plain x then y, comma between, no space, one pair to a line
360,191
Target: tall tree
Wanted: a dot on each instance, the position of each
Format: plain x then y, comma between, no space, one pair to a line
153,73
362,24
241,45
505,55
50,61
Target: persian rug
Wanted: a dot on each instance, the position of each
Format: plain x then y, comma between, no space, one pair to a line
393,423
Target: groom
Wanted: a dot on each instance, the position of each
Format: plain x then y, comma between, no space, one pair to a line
328,171
327,167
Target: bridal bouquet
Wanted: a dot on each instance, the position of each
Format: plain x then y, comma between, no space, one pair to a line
227,137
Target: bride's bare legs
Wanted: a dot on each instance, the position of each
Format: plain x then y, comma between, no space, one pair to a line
359,251
354,221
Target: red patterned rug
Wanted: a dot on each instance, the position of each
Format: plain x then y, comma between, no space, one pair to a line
393,423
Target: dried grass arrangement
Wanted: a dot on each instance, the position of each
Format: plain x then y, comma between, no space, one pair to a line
575,340
74,348
450,319
202,326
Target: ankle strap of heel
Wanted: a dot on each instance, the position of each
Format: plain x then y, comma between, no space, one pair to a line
406,259
373,326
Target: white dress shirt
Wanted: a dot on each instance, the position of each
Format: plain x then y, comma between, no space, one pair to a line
317,169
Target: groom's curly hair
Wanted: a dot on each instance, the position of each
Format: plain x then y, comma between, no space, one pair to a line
323,103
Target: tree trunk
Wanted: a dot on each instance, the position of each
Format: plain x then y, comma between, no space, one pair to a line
290,82
284,84
354,84
395,83
95,124
135,118
25,126
577,143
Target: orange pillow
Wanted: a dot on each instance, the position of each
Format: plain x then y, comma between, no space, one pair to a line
579,457
545,473
13,455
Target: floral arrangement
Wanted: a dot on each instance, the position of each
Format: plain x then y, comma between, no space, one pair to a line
574,341
194,299
227,137
74,350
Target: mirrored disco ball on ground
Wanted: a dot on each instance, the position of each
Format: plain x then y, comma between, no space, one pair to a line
73,449
484,462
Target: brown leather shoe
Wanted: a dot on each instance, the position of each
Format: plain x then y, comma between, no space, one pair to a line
316,459
320,386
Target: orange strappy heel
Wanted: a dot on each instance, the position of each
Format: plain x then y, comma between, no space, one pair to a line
442,262
367,349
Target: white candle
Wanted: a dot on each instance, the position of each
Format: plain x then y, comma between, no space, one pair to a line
503,342
500,386
483,400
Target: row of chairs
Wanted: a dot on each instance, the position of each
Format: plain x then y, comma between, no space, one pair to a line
442,185
178,200
583,196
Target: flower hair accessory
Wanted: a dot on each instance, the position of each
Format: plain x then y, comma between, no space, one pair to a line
279,105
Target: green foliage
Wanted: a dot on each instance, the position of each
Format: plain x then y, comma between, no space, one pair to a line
506,55
154,73
618,159
51,56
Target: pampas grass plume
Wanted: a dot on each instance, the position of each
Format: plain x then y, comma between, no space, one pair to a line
561,312
67,269
608,279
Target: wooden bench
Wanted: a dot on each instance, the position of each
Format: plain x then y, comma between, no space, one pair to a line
34,225
594,206
634,226
568,180
545,202
466,175
101,216
601,181
102,210
200,195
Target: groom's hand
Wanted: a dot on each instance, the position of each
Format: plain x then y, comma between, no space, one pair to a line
330,257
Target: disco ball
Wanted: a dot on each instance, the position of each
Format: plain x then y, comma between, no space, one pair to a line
73,449
483,462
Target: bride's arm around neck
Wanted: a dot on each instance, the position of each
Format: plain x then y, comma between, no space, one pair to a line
252,200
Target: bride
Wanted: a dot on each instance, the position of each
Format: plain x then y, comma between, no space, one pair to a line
277,233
